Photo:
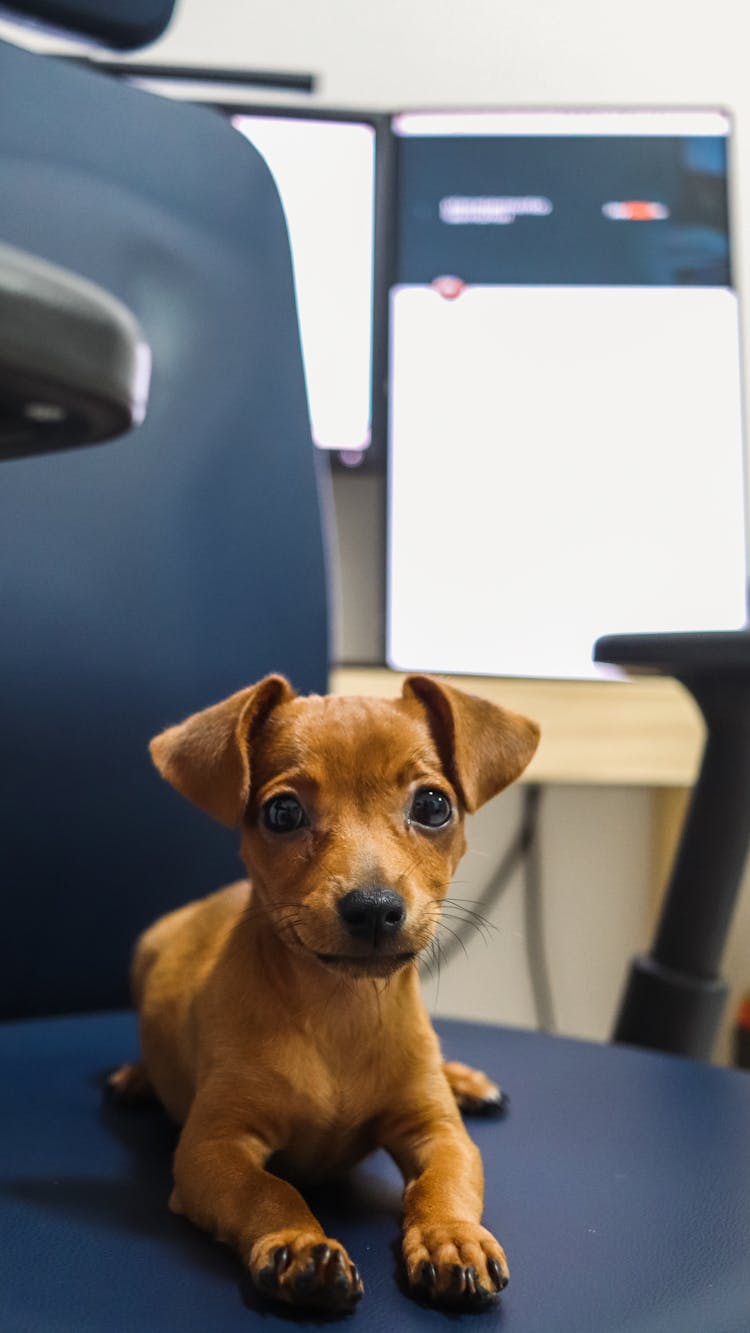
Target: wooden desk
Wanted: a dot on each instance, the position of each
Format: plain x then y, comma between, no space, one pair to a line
645,732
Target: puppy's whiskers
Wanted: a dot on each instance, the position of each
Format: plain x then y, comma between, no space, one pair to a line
287,914
471,923
464,913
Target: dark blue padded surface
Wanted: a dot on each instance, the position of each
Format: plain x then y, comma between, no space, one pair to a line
147,578
119,23
619,1185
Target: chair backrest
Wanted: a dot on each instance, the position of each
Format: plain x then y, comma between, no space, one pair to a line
146,578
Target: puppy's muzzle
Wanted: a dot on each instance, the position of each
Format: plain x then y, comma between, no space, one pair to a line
372,916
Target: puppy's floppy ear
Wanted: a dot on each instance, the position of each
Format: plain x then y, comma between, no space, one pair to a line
206,758
483,748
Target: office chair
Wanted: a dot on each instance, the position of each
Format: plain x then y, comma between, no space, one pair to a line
139,580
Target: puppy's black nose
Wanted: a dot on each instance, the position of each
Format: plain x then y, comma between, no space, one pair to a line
372,914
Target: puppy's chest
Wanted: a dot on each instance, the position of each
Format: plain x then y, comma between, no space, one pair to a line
316,1152
333,1106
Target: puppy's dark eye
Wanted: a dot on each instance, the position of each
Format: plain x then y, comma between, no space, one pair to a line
430,807
283,814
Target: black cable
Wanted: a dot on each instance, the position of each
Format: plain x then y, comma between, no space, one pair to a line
494,889
536,952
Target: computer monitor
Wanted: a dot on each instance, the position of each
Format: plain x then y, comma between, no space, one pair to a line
565,427
324,169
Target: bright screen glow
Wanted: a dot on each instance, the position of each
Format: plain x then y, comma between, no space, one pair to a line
565,416
325,174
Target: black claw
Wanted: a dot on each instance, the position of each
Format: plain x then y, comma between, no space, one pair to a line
321,1253
497,1274
337,1261
483,1296
428,1275
267,1278
356,1279
281,1259
458,1277
490,1106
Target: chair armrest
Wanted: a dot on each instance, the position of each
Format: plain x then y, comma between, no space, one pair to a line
680,655
74,367
674,997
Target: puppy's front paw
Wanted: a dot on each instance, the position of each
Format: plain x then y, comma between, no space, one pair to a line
458,1264
302,1269
129,1085
474,1092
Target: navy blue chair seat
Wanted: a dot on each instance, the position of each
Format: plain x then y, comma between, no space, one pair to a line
619,1183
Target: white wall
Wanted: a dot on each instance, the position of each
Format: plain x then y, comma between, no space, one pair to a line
411,52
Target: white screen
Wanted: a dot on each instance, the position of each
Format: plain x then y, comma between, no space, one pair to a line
325,174
565,461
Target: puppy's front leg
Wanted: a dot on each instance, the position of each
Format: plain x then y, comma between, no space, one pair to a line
450,1257
221,1184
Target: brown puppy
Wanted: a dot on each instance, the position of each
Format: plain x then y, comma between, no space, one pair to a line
263,1031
